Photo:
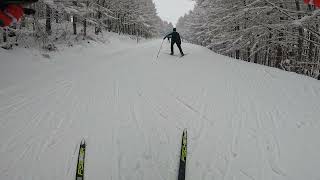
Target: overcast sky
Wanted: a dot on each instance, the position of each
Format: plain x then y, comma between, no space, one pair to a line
171,10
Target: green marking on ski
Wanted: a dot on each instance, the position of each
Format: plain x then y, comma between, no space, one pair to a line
80,163
184,147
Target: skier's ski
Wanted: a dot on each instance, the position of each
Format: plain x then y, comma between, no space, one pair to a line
183,156
169,54
80,163
183,55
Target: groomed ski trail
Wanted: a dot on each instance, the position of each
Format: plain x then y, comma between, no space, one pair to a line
244,121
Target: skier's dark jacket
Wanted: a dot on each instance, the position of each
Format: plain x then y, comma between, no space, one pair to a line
175,37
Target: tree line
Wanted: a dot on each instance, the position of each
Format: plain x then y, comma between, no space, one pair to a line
276,33
59,19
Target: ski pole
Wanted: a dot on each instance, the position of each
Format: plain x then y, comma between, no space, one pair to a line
160,49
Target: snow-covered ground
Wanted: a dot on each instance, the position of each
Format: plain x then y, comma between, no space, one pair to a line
245,121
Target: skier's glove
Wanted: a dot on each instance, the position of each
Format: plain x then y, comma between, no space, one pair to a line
10,15
11,11
28,11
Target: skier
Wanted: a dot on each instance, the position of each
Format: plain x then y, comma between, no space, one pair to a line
11,11
175,39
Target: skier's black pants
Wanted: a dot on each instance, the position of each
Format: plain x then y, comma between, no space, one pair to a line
179,46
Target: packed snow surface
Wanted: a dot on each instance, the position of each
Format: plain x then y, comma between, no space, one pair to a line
244,121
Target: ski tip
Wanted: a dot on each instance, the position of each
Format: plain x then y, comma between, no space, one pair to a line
185,131
83,142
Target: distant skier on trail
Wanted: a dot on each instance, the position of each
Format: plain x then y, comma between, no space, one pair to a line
175,39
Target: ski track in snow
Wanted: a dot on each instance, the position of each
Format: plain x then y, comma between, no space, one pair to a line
245,122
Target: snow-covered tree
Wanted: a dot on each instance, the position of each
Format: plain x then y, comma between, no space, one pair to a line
61,20
282,34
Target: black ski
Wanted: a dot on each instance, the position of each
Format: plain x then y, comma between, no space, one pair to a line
183,156
176,55
183,55
80,163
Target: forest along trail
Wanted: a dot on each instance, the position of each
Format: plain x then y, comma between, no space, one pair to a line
244,121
